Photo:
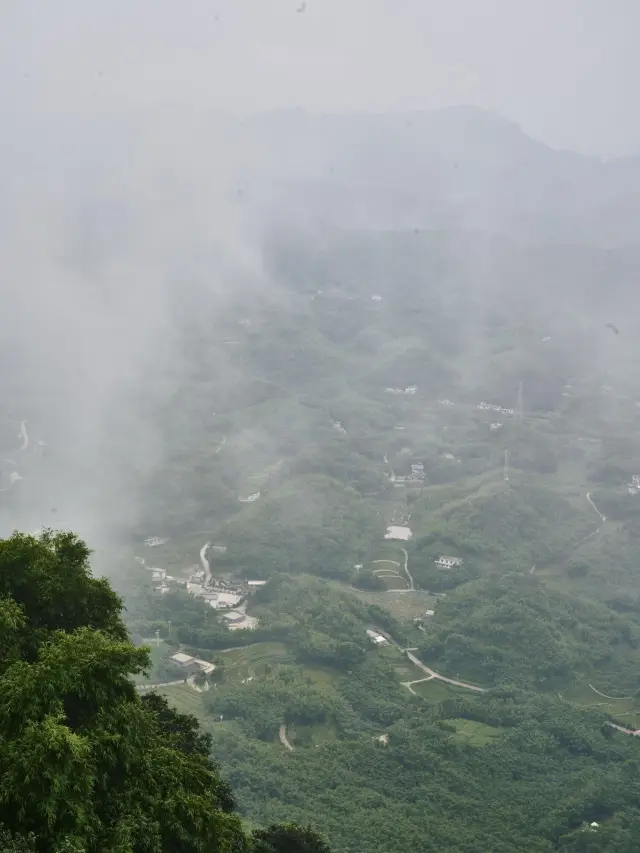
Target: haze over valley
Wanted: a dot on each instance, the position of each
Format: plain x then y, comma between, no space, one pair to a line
343,394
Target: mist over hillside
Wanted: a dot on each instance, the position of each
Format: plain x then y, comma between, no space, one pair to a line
319,328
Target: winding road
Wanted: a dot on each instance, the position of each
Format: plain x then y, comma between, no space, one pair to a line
433,674
603,518
284,740
24,435
406,570
205,563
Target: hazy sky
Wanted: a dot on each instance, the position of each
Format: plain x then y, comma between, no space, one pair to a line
563,69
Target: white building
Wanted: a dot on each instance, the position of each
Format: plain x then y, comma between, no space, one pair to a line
401,533
417,471
250,499
254,584
448,562
634,485
495,426
154,541
187,660
224,600
376,639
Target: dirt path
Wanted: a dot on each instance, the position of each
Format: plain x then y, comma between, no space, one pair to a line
24,435
414,660
406,569
613,698
408,684
205,563
621,729
282,734
603,518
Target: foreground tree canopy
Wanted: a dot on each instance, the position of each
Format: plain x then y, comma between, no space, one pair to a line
86,764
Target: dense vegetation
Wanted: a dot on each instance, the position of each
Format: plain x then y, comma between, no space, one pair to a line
87,764
374,355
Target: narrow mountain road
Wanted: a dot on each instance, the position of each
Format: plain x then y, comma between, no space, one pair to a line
613,698
406,569
408,684
414,660
284,740
603,518
205,563
143,687
24,435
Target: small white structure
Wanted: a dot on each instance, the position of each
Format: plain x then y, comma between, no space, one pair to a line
449,456
383,740
634,485
376,298
429,612
158,574
448,562
495,426
376,639
339,428
182,659
444,402
154,541
255,584
411,389
250,499
417,471
401,533
224,600
219,549
187,660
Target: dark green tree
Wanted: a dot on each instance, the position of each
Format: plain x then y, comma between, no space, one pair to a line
288,838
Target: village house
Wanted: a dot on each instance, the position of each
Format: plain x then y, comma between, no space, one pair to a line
445,562
188,662
376,639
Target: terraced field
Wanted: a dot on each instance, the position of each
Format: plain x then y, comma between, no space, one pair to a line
473,733
184,699
251,661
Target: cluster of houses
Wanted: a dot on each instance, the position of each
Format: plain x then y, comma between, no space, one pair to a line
225,595
410,389
445,562
634,485
417,475
489,407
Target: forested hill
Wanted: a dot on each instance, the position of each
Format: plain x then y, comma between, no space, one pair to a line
88,764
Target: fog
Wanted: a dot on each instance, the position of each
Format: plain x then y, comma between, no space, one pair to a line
150,147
